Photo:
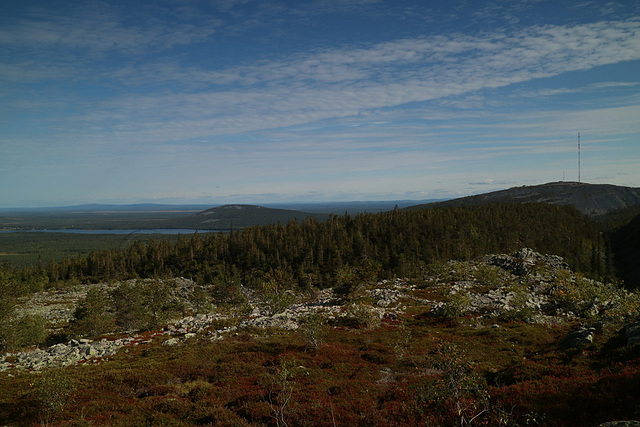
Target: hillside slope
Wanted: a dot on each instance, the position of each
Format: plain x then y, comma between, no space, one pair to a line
590,199
502,339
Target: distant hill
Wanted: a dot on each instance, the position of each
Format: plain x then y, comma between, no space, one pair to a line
351,207
240,216
108,208
591,199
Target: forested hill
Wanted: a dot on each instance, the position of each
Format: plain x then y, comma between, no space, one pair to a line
345,249
240,216
590,199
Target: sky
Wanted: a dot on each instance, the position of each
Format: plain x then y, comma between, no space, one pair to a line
270,101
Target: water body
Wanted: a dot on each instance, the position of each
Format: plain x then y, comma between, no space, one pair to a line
129,231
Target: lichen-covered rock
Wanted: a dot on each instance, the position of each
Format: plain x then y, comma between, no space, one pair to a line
524,261
171,342
579,338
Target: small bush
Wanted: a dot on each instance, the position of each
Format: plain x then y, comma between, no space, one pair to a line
313,328
366,316
491,276
227,291
440,269
281,389
456,305
402,340
54,391
593,300
278,302
200,300
460,387
346,279
519,309
92,316
23,332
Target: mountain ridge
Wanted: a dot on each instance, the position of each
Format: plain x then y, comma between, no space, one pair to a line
591,199
240,216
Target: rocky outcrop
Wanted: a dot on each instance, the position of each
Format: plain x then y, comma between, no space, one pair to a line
389,292
521,286
206,326
56,307
63,354
527,286
524,261
521,289
579,338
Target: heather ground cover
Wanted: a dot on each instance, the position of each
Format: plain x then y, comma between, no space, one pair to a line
412,369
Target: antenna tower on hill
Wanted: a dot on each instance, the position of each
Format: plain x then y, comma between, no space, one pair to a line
578,157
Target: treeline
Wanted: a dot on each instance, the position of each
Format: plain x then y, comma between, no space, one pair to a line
322,254
22,249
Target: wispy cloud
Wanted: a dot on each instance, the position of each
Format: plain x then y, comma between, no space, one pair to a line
582,89
98,27
160,87
346,82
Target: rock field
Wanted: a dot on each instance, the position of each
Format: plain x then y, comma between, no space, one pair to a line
525,282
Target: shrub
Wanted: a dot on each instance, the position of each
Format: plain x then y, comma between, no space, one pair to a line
277,302
491,276
366,316
460,385
276,291
200,300
54,391
440,269
22,332
161,304
91,316
31,330
281,389
519,308
624,305
144,304
346,279
593,300
456,304
402,340
227,290
7,308
313,328
129,305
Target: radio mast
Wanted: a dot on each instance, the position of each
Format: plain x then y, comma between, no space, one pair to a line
578,157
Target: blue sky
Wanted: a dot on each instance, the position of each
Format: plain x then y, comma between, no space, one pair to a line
256,101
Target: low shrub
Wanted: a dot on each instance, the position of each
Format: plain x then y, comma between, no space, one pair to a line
364,315
313,328
92,315
456,305
25,331
54,391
